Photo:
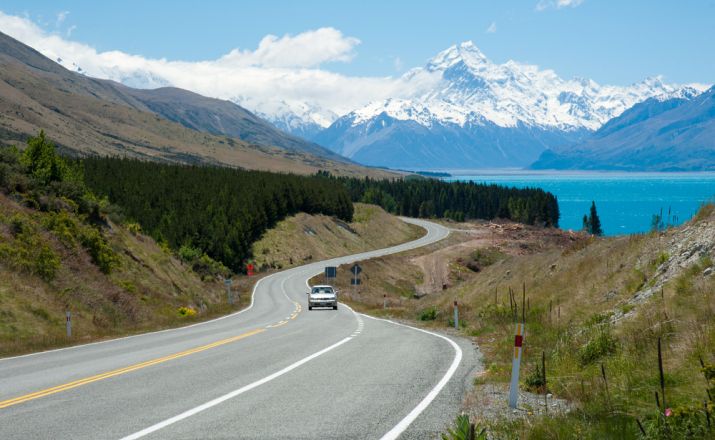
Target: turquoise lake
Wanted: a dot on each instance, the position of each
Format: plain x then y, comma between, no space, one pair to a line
626,202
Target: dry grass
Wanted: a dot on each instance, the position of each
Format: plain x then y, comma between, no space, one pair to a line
303,238
573,290
86,117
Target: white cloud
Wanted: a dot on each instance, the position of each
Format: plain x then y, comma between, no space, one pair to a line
281,70
542,5
61,17
399,65
492,28
70,29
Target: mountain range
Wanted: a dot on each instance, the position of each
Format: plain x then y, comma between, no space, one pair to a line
84,115
478,114
658,134
460,110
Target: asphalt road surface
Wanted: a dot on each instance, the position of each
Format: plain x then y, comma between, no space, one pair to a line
274,370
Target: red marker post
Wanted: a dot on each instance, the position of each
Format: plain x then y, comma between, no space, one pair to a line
249,270
515,365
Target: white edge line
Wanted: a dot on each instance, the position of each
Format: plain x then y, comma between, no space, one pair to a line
232,394
409,418
392,434
253,292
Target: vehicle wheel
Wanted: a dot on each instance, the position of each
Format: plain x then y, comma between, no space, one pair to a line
335,307
310,307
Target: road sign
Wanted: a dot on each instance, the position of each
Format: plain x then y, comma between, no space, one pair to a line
249,270
228,281
355,281
356,269
331,272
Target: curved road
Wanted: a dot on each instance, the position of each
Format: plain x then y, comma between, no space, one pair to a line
273,370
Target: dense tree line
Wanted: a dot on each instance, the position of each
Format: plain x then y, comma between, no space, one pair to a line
419,197
220,211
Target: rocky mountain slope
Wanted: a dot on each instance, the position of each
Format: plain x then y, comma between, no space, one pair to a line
675,134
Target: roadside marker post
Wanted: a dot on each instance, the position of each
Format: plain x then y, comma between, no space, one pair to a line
515,365
228,282
456,316
384,300
68,316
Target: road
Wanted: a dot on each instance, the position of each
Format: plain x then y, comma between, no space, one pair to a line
273,370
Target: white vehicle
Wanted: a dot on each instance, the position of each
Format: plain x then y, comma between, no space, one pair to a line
323,296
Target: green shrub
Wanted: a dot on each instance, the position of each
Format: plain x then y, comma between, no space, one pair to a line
428,314
102,254
601,344
461,428
189,254
28,251
534,381
134,228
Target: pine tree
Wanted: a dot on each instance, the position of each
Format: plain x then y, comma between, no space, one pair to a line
591,222
595,221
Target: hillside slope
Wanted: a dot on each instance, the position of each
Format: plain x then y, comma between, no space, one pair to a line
221,118
89,116
656,135
45,270
302,238
594,307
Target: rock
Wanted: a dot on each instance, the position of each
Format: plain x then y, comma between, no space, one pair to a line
708,271
553,267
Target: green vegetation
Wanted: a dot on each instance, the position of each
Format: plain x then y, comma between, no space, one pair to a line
591,222
456,200
45,181
220,211
463,430
428,314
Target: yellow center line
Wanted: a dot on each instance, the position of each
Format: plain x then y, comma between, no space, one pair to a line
117,372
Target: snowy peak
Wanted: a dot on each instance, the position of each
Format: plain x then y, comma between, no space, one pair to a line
467,53
471,89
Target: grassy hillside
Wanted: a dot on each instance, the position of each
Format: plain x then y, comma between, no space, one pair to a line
47,267
596,308
88,116
302,238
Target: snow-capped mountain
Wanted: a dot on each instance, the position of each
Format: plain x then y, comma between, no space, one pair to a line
297,118
477,113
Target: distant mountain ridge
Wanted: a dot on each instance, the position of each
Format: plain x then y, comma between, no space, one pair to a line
656,135
479,114
84,115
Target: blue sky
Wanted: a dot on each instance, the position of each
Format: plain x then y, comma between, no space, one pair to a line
612,42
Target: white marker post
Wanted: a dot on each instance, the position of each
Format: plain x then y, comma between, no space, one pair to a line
228,283
456,316
515,365
68,314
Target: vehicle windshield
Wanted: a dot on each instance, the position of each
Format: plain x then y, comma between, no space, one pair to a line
322,290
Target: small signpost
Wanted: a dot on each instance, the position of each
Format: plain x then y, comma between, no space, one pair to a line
355,270
68,315
331,272
228,282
